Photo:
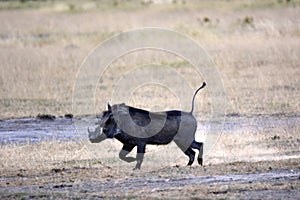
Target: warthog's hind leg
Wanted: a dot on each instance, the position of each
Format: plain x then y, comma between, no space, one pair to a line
199,146
191,154
189,151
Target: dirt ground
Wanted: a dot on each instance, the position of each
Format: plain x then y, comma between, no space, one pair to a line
257,164
246,180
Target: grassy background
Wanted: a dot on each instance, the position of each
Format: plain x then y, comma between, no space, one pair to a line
255,45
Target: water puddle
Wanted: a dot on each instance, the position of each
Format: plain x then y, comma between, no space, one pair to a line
34,130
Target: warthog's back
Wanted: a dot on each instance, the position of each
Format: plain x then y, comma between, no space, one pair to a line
155,127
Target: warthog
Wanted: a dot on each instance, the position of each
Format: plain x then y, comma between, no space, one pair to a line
137,127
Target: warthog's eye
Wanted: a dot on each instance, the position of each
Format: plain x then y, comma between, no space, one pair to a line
109,120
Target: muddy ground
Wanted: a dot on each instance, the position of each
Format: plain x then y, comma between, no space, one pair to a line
54,167
246,180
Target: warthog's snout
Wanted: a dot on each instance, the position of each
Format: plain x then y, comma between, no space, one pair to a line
97,135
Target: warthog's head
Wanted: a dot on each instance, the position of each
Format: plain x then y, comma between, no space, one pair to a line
106,129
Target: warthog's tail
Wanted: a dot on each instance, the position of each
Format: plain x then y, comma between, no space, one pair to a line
203,85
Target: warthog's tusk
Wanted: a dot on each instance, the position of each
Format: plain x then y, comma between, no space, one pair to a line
100,129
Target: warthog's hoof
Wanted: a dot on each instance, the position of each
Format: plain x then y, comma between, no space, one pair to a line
200,161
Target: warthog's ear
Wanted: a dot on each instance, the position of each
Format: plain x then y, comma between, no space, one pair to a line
108,107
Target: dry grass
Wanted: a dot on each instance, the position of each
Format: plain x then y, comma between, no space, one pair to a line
43,156
255,48
254,146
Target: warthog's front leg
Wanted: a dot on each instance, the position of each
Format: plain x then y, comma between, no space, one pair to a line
140,155
126,149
